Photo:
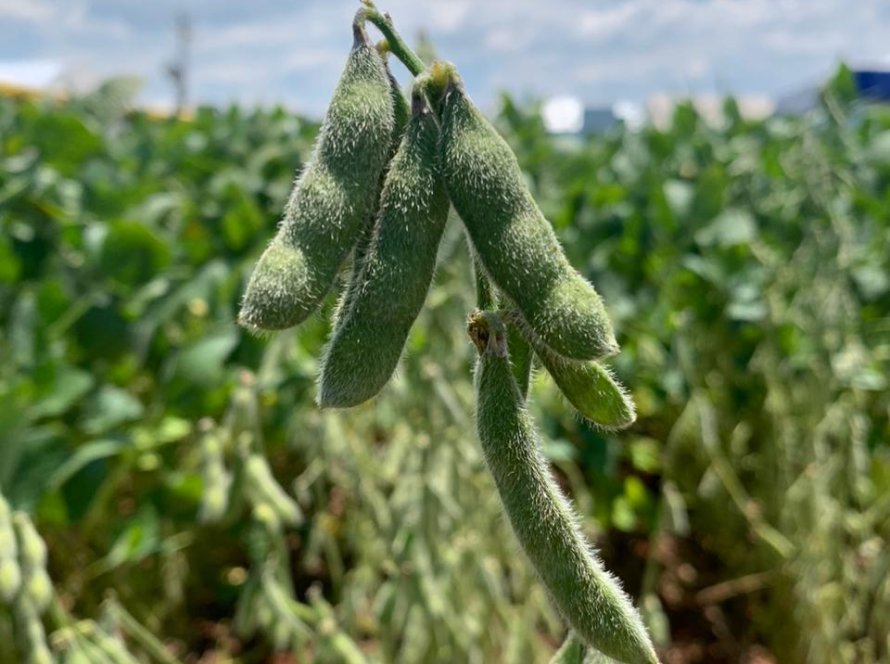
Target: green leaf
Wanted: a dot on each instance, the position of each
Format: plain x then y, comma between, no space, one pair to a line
64,387
83,456
202,362
133,253
110,407
731,227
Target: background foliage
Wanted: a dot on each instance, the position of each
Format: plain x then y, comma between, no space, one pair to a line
745,266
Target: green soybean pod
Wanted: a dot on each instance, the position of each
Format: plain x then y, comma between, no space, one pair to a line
265,490
75,656
217,479
112,647
368,339
39,588
10,579
8,547
572,651
575,651
516,244
32,548
331,200
30,631
591,388
401,115
40,654
589,598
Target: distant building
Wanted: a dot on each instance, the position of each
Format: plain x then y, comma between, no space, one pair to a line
799,102
567,116
872,83
598,120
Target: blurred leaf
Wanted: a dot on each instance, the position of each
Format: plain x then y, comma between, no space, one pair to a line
132,253
110,407
202,362
731,227
63,387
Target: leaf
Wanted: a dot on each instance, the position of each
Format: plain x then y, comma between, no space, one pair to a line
110,407
139,539
64,387
83,456
133,253
202,362
731,227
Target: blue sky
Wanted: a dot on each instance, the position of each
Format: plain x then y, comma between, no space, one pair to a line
291,51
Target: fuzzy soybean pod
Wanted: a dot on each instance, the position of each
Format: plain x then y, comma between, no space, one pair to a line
331,200
369,337
401,115
589,598
591,388
516,244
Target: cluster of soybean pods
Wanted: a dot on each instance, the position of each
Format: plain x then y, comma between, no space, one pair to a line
383,173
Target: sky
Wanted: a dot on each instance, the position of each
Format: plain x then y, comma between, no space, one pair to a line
600,51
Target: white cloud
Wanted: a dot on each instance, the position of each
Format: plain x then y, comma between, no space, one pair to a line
69,18
33,11
607,21
448,17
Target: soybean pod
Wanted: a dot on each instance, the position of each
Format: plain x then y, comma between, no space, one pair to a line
589,598
515,243
331,201
10,571
591,388
401,115
370,335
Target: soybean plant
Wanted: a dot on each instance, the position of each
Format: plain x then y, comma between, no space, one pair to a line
450,153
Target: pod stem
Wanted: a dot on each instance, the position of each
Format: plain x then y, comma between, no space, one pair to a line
395,44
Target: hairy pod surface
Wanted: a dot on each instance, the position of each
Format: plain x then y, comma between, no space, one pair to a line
516,244
592,389
588,597
369,337
331,200
575,651
401,115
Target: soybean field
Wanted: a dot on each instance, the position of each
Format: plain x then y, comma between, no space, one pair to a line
170,491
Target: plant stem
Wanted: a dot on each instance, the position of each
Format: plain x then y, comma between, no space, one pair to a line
397,45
